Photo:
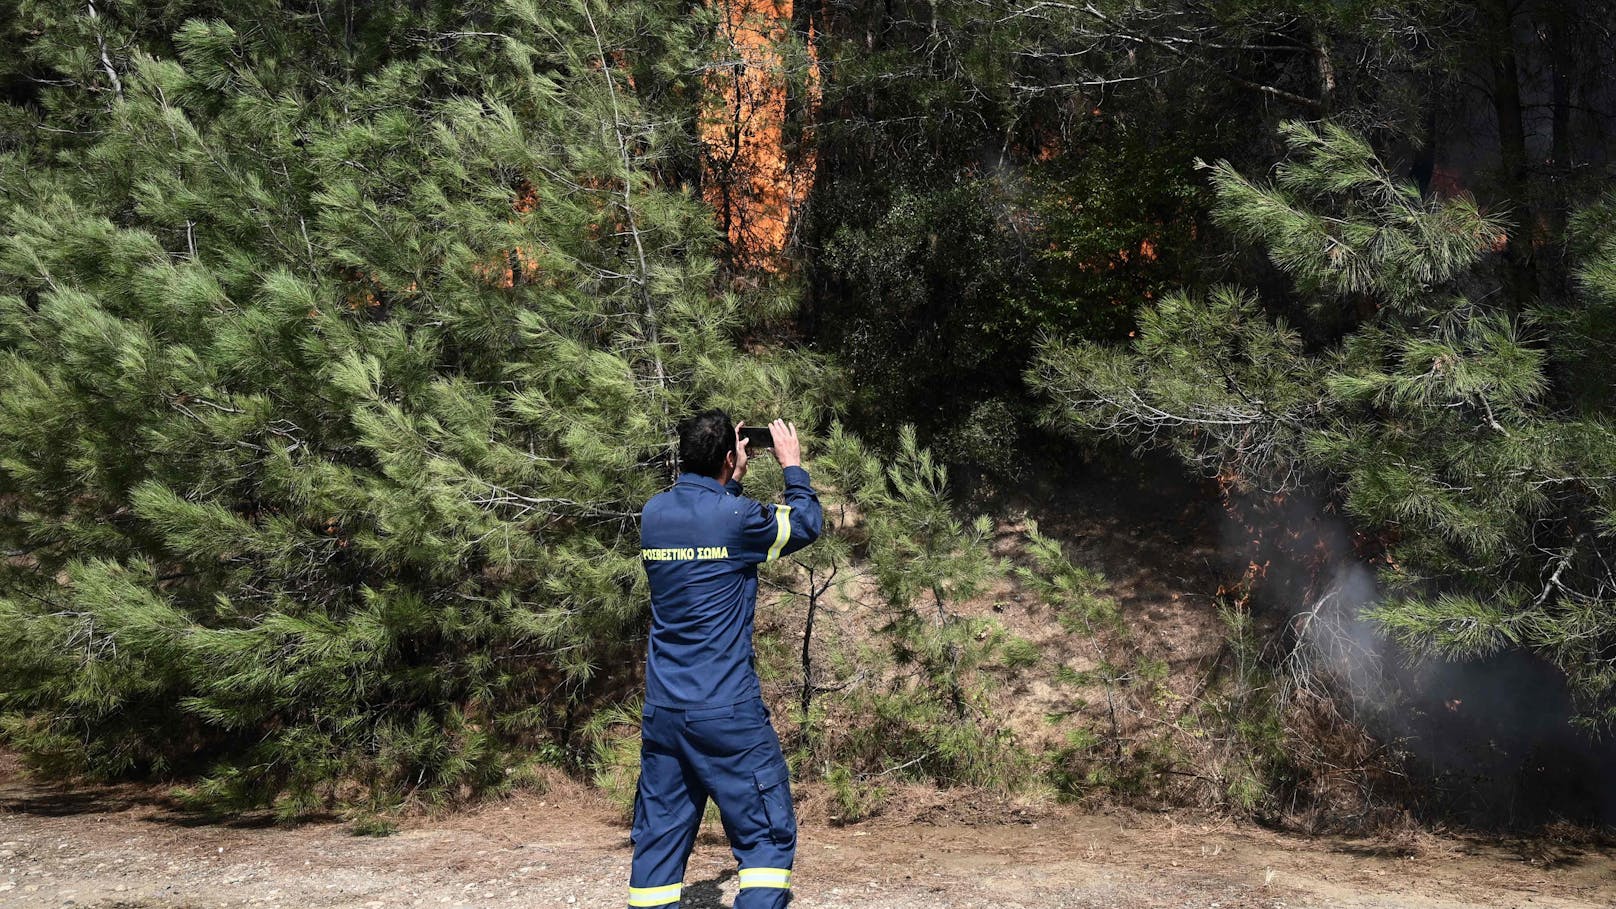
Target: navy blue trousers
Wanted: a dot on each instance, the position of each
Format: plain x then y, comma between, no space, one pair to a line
731,755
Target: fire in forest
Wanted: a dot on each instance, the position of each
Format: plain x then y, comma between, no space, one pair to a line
1502,723
754,181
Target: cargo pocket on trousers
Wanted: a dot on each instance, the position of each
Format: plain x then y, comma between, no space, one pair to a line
772,786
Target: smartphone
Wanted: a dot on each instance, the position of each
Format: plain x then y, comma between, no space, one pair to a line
757,437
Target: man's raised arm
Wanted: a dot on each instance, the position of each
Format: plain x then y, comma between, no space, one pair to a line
772,531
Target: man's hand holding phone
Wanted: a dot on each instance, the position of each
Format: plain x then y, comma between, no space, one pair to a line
787,450
780,438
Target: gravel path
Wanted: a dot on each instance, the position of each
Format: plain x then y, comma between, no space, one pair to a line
125,849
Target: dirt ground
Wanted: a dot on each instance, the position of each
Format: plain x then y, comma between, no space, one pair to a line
129,848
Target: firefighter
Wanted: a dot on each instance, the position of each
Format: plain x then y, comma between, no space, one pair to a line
704,730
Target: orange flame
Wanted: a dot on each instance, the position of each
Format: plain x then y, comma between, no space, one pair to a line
753,183
514,265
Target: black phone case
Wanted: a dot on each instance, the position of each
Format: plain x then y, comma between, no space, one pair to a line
757,437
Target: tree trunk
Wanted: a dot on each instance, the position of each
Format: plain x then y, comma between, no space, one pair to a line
1499,22
1562,56
807,652
1324,67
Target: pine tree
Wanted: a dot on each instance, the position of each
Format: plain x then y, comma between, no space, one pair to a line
338,350
1456,427
923,707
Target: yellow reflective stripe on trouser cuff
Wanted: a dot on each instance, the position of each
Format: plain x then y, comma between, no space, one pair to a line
779,878
654,896
782,532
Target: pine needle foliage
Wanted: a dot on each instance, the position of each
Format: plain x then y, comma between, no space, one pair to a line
1337,222
922,695
339,347
1470,437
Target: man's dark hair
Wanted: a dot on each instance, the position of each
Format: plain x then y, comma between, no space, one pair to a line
704,440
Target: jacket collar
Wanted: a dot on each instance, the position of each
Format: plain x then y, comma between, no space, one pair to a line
696,479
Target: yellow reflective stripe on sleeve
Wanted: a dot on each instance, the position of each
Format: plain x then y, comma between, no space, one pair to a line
778,878
654,896
782,532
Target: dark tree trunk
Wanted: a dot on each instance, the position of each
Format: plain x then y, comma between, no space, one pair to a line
1562,59
1499,21
1423,166
1324,70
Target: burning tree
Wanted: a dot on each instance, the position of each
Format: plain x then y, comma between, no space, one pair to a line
1440,415
337,355
758,153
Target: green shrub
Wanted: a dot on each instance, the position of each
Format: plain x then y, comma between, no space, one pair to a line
855,799
372,826
1018,653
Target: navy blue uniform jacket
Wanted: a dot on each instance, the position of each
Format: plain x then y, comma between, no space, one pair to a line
701,543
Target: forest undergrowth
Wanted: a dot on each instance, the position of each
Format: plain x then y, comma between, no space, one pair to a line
1112,650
